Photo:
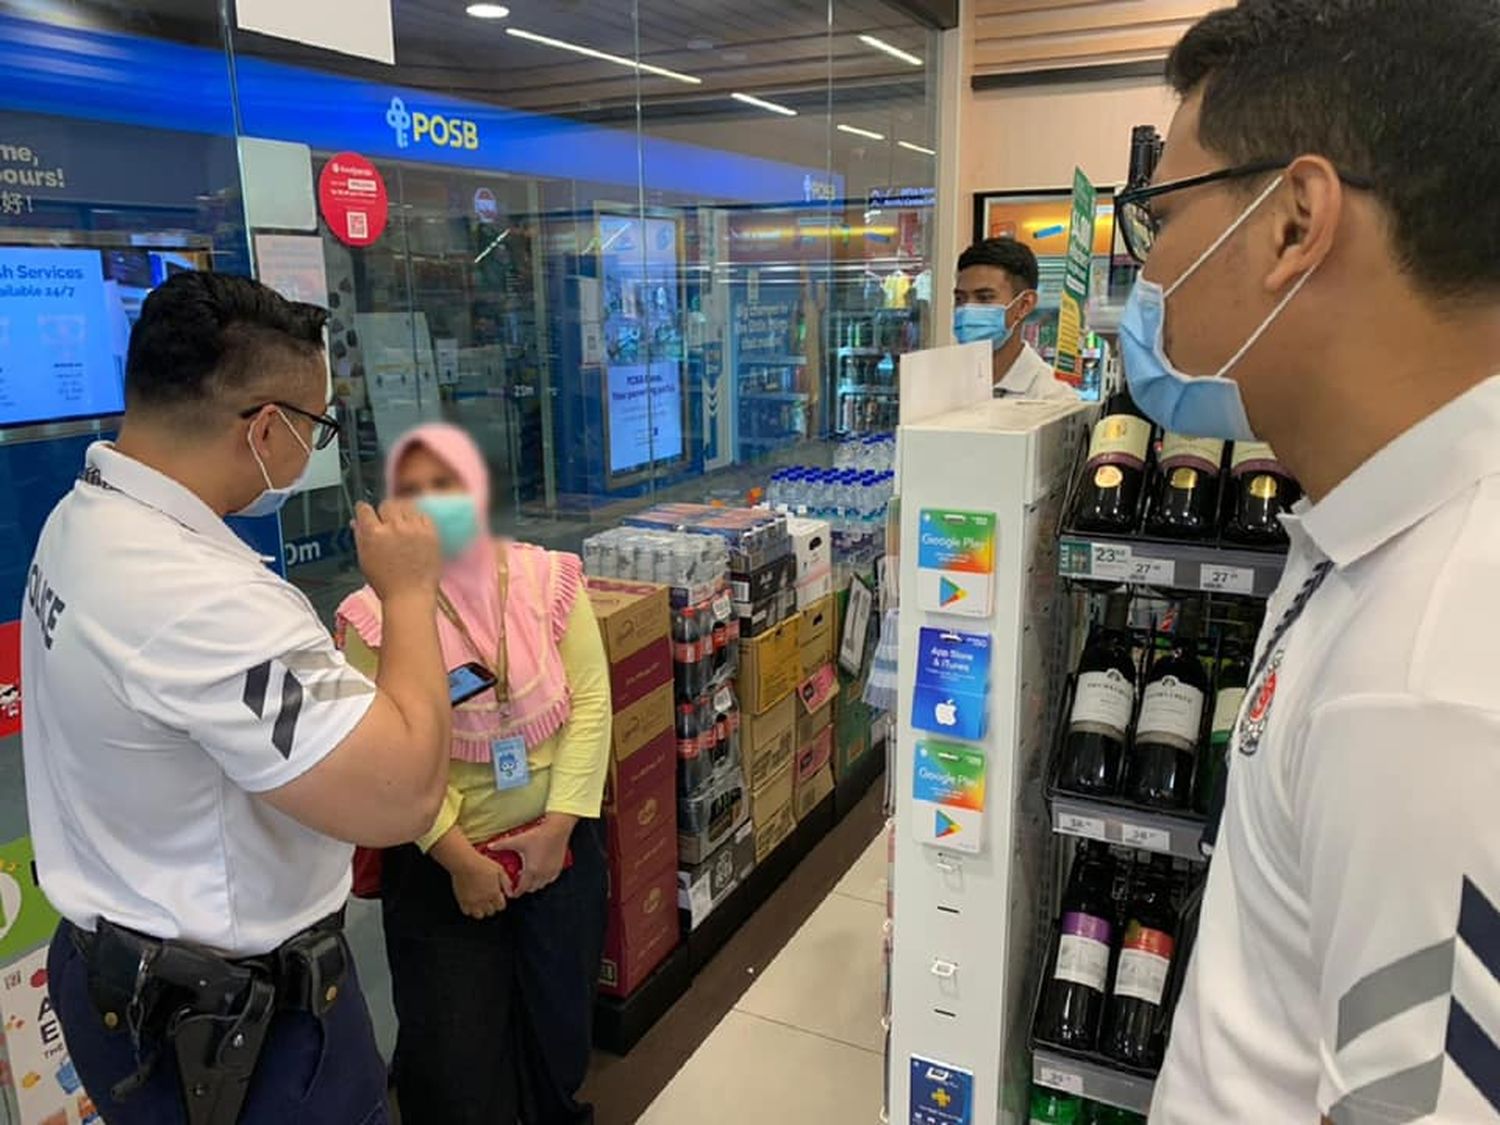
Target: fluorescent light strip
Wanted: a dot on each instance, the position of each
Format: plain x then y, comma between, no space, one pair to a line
917,148
605,56
894,52
488,11
861,132
761,103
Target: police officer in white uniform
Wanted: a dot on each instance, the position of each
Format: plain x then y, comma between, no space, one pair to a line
993,294
199,757
1323,234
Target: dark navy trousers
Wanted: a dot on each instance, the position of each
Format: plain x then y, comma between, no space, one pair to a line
310,1073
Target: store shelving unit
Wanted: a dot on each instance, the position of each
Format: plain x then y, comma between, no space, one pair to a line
1058,1071
1131,828
1163,564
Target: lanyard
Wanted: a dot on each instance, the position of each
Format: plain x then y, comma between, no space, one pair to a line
499,666
1288,618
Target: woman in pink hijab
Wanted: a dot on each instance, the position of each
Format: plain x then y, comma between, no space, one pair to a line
494,920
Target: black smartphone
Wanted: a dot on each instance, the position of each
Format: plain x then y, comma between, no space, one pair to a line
468,680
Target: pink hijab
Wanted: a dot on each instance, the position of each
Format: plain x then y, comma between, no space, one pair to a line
542,589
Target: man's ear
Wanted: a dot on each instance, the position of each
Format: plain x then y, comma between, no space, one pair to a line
1307,210
1027,305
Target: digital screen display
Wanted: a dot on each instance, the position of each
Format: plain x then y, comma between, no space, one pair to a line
465,682
645,414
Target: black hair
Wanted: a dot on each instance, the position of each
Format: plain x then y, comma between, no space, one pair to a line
206,336
1007,254
1401,93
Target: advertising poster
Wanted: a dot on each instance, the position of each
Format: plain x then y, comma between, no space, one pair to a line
43,1082
352,196
1080,259
26,917
10,678
57,337
645,414
948,790
956,562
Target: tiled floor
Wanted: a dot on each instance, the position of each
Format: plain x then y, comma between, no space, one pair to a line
804,1043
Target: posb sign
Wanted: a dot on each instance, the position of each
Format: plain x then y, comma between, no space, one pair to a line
413,127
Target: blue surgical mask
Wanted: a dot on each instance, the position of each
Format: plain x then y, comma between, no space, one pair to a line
1197,406
456,518
983,322
273,499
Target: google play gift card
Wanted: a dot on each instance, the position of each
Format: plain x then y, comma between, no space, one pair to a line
956,562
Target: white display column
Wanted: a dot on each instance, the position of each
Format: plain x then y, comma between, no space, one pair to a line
980,677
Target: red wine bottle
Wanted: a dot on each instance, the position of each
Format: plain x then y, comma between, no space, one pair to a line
1073,1001
1135,1033
1115,472
1159,768
1261,490
1103,703
1229,693
1185,501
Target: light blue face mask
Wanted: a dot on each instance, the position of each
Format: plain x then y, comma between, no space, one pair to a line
456,519
1197,406
273,499
983,322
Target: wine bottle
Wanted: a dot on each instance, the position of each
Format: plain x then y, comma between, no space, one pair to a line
1185,500
1229,693
1073,1001
1115,472
1261,490
1053,1107
1103,703
1159,768
1136,1029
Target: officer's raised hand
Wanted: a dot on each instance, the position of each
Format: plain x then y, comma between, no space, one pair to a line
398,549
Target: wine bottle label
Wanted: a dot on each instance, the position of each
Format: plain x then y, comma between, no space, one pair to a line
1202,454
1083,951
1226,712
1120,439
1102,703
1145,961
1171,712
1253,457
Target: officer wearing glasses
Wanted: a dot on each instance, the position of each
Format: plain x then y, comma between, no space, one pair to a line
199,757
1322,272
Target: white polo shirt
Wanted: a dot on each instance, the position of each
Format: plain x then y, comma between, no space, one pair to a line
1031,376
1348,957
169,678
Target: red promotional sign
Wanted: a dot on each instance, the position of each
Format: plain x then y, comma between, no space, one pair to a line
353,199
10,678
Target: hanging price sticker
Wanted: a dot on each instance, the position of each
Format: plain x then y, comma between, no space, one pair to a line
1226,579
1152,839
1070,824
1152,572
1055,1078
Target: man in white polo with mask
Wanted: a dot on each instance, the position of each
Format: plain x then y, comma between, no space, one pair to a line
1322,271
199,757
993,294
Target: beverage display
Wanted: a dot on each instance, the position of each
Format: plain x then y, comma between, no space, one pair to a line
1260,491
1073,1000
1229,693
1115,473
1103,703
1135,1031
1159,767
1185,499
1053,1107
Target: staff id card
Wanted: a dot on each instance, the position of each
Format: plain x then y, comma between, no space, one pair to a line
512,769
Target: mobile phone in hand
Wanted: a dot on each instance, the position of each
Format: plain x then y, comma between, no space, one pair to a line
468,680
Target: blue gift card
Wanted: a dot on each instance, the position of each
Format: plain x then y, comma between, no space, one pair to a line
940,1094
952,691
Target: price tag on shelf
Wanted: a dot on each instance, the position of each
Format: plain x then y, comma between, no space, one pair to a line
1071,824
1152,839
1152,572
1111,560
1055,1078
1216,579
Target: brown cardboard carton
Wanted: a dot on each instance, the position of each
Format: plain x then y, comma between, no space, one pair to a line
639,933
643,721
774,832
635,623
774,795
815,635
768,741
808,794
770,668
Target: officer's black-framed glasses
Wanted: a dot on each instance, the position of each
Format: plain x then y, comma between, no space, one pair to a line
325,427
1140,225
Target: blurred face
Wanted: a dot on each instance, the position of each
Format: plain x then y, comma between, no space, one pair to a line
422,473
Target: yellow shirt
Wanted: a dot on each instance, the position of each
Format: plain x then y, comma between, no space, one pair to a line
568,770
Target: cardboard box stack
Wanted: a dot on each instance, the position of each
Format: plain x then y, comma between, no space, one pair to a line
817,637
640,811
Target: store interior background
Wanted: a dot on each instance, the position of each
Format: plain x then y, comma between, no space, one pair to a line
613,221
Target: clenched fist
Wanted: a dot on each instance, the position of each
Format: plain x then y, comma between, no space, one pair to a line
398,549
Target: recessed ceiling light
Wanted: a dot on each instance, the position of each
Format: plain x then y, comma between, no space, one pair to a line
488,11
918,148
699,43
605,56
737,57
861,132
894,52
761,103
